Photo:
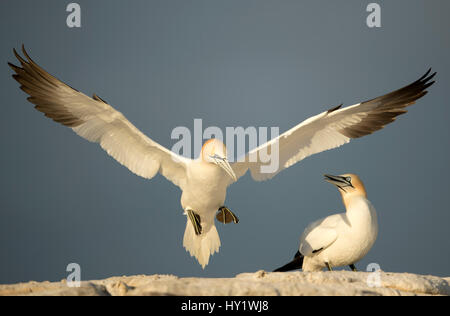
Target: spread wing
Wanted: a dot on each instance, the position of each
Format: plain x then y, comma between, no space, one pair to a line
97,121
331,129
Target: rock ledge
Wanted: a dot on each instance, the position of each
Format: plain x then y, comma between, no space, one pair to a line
260,283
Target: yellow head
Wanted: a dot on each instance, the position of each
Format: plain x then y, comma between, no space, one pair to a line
215,152
349,185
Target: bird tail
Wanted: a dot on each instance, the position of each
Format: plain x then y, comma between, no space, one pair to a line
295,264
201,246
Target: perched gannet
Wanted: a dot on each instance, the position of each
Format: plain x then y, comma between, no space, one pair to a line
204,181
341,239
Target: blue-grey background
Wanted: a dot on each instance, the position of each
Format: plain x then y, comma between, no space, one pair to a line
231,63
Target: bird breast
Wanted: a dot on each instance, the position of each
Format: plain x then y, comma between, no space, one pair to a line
357,236
205,190
357,231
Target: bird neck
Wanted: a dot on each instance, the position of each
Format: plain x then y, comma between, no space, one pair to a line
360,213
352,199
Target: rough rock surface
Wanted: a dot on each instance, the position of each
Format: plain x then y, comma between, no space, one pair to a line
260,283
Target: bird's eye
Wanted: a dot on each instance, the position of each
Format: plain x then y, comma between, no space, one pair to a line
349,179
216,156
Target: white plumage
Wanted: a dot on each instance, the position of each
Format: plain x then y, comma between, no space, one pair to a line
204,181
341,239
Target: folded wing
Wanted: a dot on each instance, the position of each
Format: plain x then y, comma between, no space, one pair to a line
97,121
320,235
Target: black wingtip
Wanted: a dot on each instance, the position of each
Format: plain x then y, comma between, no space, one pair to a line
24,51
97,98
295,264
431,77
424,76
15,52
335,108
427,76
19,58
426,81
13,67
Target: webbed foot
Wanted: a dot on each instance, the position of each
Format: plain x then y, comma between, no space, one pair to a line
196,221
226,216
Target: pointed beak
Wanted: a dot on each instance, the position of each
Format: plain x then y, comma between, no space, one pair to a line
340,182
225,165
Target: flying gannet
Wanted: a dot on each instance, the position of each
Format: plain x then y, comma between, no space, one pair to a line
204,181
341,239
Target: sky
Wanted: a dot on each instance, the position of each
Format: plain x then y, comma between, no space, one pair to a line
230,63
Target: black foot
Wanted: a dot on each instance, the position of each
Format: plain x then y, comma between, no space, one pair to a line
226,216
328,266
196,221
352,266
